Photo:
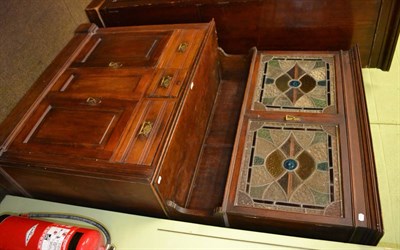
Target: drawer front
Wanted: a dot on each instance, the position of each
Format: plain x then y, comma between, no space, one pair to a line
183,49
123,49
124,84
74,127
146,132
167,83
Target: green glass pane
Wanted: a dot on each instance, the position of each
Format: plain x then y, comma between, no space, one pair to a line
320,198
264,133
257,192
323,166
319,137
319,102
258,160
273,63
268,101
319,64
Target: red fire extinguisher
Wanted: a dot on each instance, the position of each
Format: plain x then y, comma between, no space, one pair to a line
22,232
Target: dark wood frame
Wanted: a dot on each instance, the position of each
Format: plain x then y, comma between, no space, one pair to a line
359,181
374,24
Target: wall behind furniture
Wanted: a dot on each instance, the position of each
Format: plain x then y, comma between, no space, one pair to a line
383,100
32,33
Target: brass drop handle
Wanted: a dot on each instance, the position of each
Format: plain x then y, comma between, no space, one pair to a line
165,81
145,129
292,118
182,47
93,101
115,65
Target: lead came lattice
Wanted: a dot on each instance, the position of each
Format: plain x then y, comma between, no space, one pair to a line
299,83
292,168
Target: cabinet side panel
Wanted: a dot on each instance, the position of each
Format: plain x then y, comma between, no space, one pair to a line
123,196
180,162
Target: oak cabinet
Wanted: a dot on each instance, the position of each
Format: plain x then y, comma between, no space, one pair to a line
98,125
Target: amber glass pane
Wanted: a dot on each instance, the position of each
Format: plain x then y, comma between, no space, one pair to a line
300,83
291,167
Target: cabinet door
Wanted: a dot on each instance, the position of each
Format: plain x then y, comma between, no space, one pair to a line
127,84
291,160
89,128
118,48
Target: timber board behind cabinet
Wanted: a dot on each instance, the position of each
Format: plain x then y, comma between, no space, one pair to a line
272,24
302,162
103,125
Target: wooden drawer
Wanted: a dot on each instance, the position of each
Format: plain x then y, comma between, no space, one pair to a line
79,127
146,132
128,84
183,49
167,83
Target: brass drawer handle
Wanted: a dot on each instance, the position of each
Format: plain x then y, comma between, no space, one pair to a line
146,128
93,101
182,47
292,118
115,65
165,81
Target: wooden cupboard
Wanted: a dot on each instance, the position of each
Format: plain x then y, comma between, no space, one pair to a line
103,125
156,120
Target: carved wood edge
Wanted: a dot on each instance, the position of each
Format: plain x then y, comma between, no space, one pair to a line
193,212
93,12
373,234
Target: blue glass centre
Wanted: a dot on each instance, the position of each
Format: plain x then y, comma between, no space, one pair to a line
290,164
294,83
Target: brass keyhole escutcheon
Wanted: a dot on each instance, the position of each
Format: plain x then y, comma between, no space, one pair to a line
145,129
165,81
182,47
292,118
93,101
115,65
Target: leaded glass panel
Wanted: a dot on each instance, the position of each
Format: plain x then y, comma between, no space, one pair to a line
300,83
291,167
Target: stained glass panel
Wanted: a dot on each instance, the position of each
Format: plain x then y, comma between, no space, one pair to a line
291,167
300,83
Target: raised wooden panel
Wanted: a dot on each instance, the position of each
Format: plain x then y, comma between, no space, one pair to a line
127,49
65,127
124,84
